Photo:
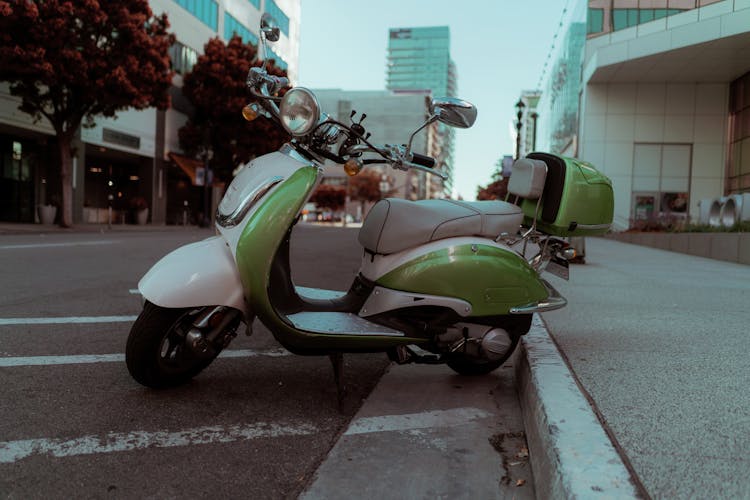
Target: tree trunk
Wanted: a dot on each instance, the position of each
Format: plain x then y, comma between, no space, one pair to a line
66,178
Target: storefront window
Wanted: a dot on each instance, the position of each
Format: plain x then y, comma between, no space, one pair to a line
738,171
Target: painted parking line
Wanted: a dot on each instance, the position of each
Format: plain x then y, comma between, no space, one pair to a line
13,451
66,320
55,245
414,421
83,359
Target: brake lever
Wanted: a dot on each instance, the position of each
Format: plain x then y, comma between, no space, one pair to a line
424,169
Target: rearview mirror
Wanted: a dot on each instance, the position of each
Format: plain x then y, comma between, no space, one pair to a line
268,27
454,112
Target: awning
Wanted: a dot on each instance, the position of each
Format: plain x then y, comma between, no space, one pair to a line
188,165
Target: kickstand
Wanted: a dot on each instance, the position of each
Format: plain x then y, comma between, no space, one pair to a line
337,361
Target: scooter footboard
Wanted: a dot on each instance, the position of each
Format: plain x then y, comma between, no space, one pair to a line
198,274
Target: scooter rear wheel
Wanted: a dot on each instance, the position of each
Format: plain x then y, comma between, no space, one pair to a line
473,367
156,353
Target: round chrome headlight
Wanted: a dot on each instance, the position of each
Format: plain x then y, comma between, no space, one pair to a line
299,111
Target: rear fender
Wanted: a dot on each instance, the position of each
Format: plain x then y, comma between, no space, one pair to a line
199,274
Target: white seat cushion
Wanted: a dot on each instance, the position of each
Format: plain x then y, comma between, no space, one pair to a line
395,224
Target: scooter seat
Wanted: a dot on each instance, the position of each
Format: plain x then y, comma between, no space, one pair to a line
395,224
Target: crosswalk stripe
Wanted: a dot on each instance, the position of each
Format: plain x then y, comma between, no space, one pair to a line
13,451
119,358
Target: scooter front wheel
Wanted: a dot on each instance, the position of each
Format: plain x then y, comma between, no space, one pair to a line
158,353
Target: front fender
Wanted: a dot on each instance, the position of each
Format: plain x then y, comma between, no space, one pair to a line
199,274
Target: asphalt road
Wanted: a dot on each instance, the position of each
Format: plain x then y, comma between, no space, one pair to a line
73,423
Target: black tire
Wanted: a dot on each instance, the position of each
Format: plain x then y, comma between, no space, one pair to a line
469,366
155,354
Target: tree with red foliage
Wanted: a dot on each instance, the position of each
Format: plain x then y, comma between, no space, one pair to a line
365,187
216,88
328,196
72,61
496,190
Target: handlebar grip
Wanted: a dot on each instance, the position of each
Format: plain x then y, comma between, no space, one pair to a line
425,161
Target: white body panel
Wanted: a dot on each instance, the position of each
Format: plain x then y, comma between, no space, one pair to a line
251,176
198,274
375,267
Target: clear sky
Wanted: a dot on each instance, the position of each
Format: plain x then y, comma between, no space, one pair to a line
499,47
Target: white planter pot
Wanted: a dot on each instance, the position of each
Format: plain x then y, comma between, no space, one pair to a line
47,214
142,216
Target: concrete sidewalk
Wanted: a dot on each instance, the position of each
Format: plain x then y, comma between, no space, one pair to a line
659,340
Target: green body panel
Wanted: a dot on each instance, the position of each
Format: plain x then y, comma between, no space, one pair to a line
491,279
256,249
586,207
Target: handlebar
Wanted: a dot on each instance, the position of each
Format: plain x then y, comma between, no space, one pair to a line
265,86
424,160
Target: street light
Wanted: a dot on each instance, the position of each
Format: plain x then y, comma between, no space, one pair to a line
534,116
519,114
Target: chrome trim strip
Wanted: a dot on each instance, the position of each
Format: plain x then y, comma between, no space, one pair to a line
384,299
231,220
593,226
553,301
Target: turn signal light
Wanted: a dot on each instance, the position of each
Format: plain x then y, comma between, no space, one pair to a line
353,166
250,112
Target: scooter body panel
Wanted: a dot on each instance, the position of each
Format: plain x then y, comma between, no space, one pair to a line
256,249
198,274
488,275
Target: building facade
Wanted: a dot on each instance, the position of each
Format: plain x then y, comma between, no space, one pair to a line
133,156
419,58
663,103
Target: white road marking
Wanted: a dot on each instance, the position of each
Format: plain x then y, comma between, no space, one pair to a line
413,421
134,291
66,320
82,359
53,245
13,451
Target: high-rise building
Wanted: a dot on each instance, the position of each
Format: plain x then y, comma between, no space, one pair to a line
419,59
137,154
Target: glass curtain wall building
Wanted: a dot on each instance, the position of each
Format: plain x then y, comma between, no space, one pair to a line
419,59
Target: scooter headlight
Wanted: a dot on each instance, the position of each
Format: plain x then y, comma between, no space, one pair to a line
299,111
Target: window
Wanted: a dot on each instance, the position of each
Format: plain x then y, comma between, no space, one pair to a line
232,26
661,180
625,18
278,15
183,58
595,21
256,3
207,11
280,63
739,141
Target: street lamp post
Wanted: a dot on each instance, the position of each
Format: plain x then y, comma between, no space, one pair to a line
534,117
519,123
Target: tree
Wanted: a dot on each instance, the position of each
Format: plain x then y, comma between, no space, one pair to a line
72,61
328,196
365,187
216,88
498,188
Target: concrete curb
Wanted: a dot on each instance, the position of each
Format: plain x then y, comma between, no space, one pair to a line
571,454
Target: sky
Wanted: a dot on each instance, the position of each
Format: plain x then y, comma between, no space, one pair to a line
499,47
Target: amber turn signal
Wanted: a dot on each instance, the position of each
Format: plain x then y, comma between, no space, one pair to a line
353,166
250,112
